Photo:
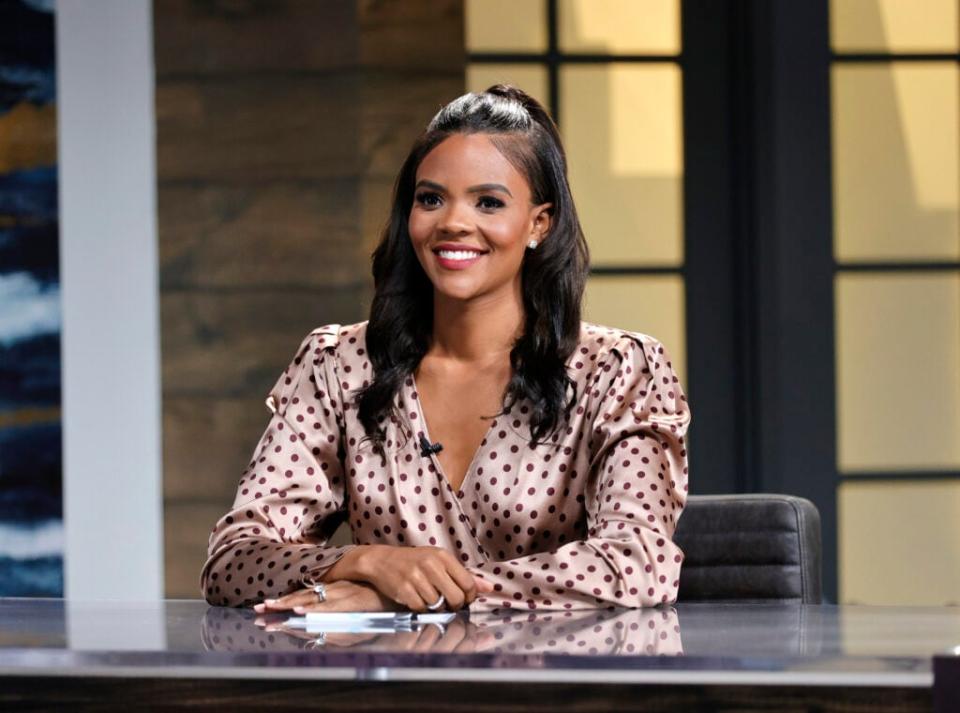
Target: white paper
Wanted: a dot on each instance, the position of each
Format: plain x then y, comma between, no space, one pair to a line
358,622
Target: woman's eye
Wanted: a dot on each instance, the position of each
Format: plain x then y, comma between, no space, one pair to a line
428,199
489,202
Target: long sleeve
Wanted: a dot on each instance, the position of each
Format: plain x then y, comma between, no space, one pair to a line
290,497
637,490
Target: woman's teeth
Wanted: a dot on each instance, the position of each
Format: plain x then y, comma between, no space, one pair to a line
458,254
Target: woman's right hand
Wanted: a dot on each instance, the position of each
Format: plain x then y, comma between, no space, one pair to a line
416,576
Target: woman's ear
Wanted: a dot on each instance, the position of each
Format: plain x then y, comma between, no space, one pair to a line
542,221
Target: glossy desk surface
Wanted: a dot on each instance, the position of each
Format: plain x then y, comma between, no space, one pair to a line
689,643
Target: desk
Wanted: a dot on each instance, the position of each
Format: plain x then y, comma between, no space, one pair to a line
70,655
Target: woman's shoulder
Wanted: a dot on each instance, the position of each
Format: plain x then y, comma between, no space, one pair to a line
635,365
345,345
337,338
603,341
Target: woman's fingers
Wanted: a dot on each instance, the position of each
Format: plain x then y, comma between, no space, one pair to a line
470,584
452,593
483,586
404,640
427,637
344,639
461,578
452,637
426,591
339,596
287,602
350,596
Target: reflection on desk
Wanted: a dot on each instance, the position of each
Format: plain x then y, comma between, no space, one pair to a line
805,644
608,632
696,656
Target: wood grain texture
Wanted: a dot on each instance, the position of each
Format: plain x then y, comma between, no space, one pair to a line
423,36
375,203
207,443
394,111
188,525
279,234
219,37
258,127
238,343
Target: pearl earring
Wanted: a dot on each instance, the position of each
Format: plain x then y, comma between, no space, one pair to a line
532,244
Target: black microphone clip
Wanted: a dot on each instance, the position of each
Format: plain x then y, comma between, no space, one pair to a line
426,447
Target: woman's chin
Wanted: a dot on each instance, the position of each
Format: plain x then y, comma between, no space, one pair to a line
457,290
460,296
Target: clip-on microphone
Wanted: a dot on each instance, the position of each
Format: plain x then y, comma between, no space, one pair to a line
426,447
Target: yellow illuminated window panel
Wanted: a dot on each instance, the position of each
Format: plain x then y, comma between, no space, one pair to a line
619,26
894,25
899,542
531,78
896,142
505,25
651,304
622,125
898,372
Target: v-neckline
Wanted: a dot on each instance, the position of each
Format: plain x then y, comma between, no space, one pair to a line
459,491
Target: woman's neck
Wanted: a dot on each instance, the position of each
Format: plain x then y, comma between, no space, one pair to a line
478,331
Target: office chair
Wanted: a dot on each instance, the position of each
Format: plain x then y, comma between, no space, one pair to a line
752,547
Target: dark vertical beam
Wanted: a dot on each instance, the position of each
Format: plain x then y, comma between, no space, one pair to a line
712,235
794,251
759,265
553,60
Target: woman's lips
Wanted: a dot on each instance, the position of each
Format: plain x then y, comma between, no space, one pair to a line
457,259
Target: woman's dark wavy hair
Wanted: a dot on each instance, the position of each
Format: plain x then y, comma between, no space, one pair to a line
553,275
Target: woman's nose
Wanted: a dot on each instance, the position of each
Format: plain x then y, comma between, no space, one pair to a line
455,219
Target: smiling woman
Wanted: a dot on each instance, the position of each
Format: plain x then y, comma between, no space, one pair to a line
486,446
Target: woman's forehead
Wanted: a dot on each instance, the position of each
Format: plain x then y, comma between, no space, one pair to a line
468,159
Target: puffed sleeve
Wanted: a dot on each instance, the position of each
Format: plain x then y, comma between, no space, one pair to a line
637,490
290,498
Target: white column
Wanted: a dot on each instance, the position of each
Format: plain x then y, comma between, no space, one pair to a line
108,272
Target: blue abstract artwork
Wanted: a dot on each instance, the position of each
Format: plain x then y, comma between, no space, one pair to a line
31,509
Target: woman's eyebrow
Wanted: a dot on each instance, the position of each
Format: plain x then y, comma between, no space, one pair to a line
483,187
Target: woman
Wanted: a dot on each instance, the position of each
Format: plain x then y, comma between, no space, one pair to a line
487,448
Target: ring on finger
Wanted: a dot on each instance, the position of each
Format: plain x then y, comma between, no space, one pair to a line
441,627
317,587
437,604
316,643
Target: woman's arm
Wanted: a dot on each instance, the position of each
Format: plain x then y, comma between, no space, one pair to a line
638,490
290,498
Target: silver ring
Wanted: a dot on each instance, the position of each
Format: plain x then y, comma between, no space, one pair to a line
316,643
441,627
321,591
437,604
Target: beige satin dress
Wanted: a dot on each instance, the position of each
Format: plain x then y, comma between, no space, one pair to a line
583,521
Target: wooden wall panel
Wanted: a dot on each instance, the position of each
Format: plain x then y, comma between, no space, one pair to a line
424,35
281,234
224,430
393,113
207,37
188,525
280,128
258,128
238,342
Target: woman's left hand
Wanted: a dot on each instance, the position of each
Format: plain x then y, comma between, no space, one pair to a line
342,595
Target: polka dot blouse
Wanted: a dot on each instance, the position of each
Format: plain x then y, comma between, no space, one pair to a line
582,521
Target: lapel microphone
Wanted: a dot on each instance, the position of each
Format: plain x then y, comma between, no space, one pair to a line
426,447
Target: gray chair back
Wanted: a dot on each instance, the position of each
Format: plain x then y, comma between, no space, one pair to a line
753,547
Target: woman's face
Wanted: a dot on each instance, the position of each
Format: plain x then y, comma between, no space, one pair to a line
472,218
